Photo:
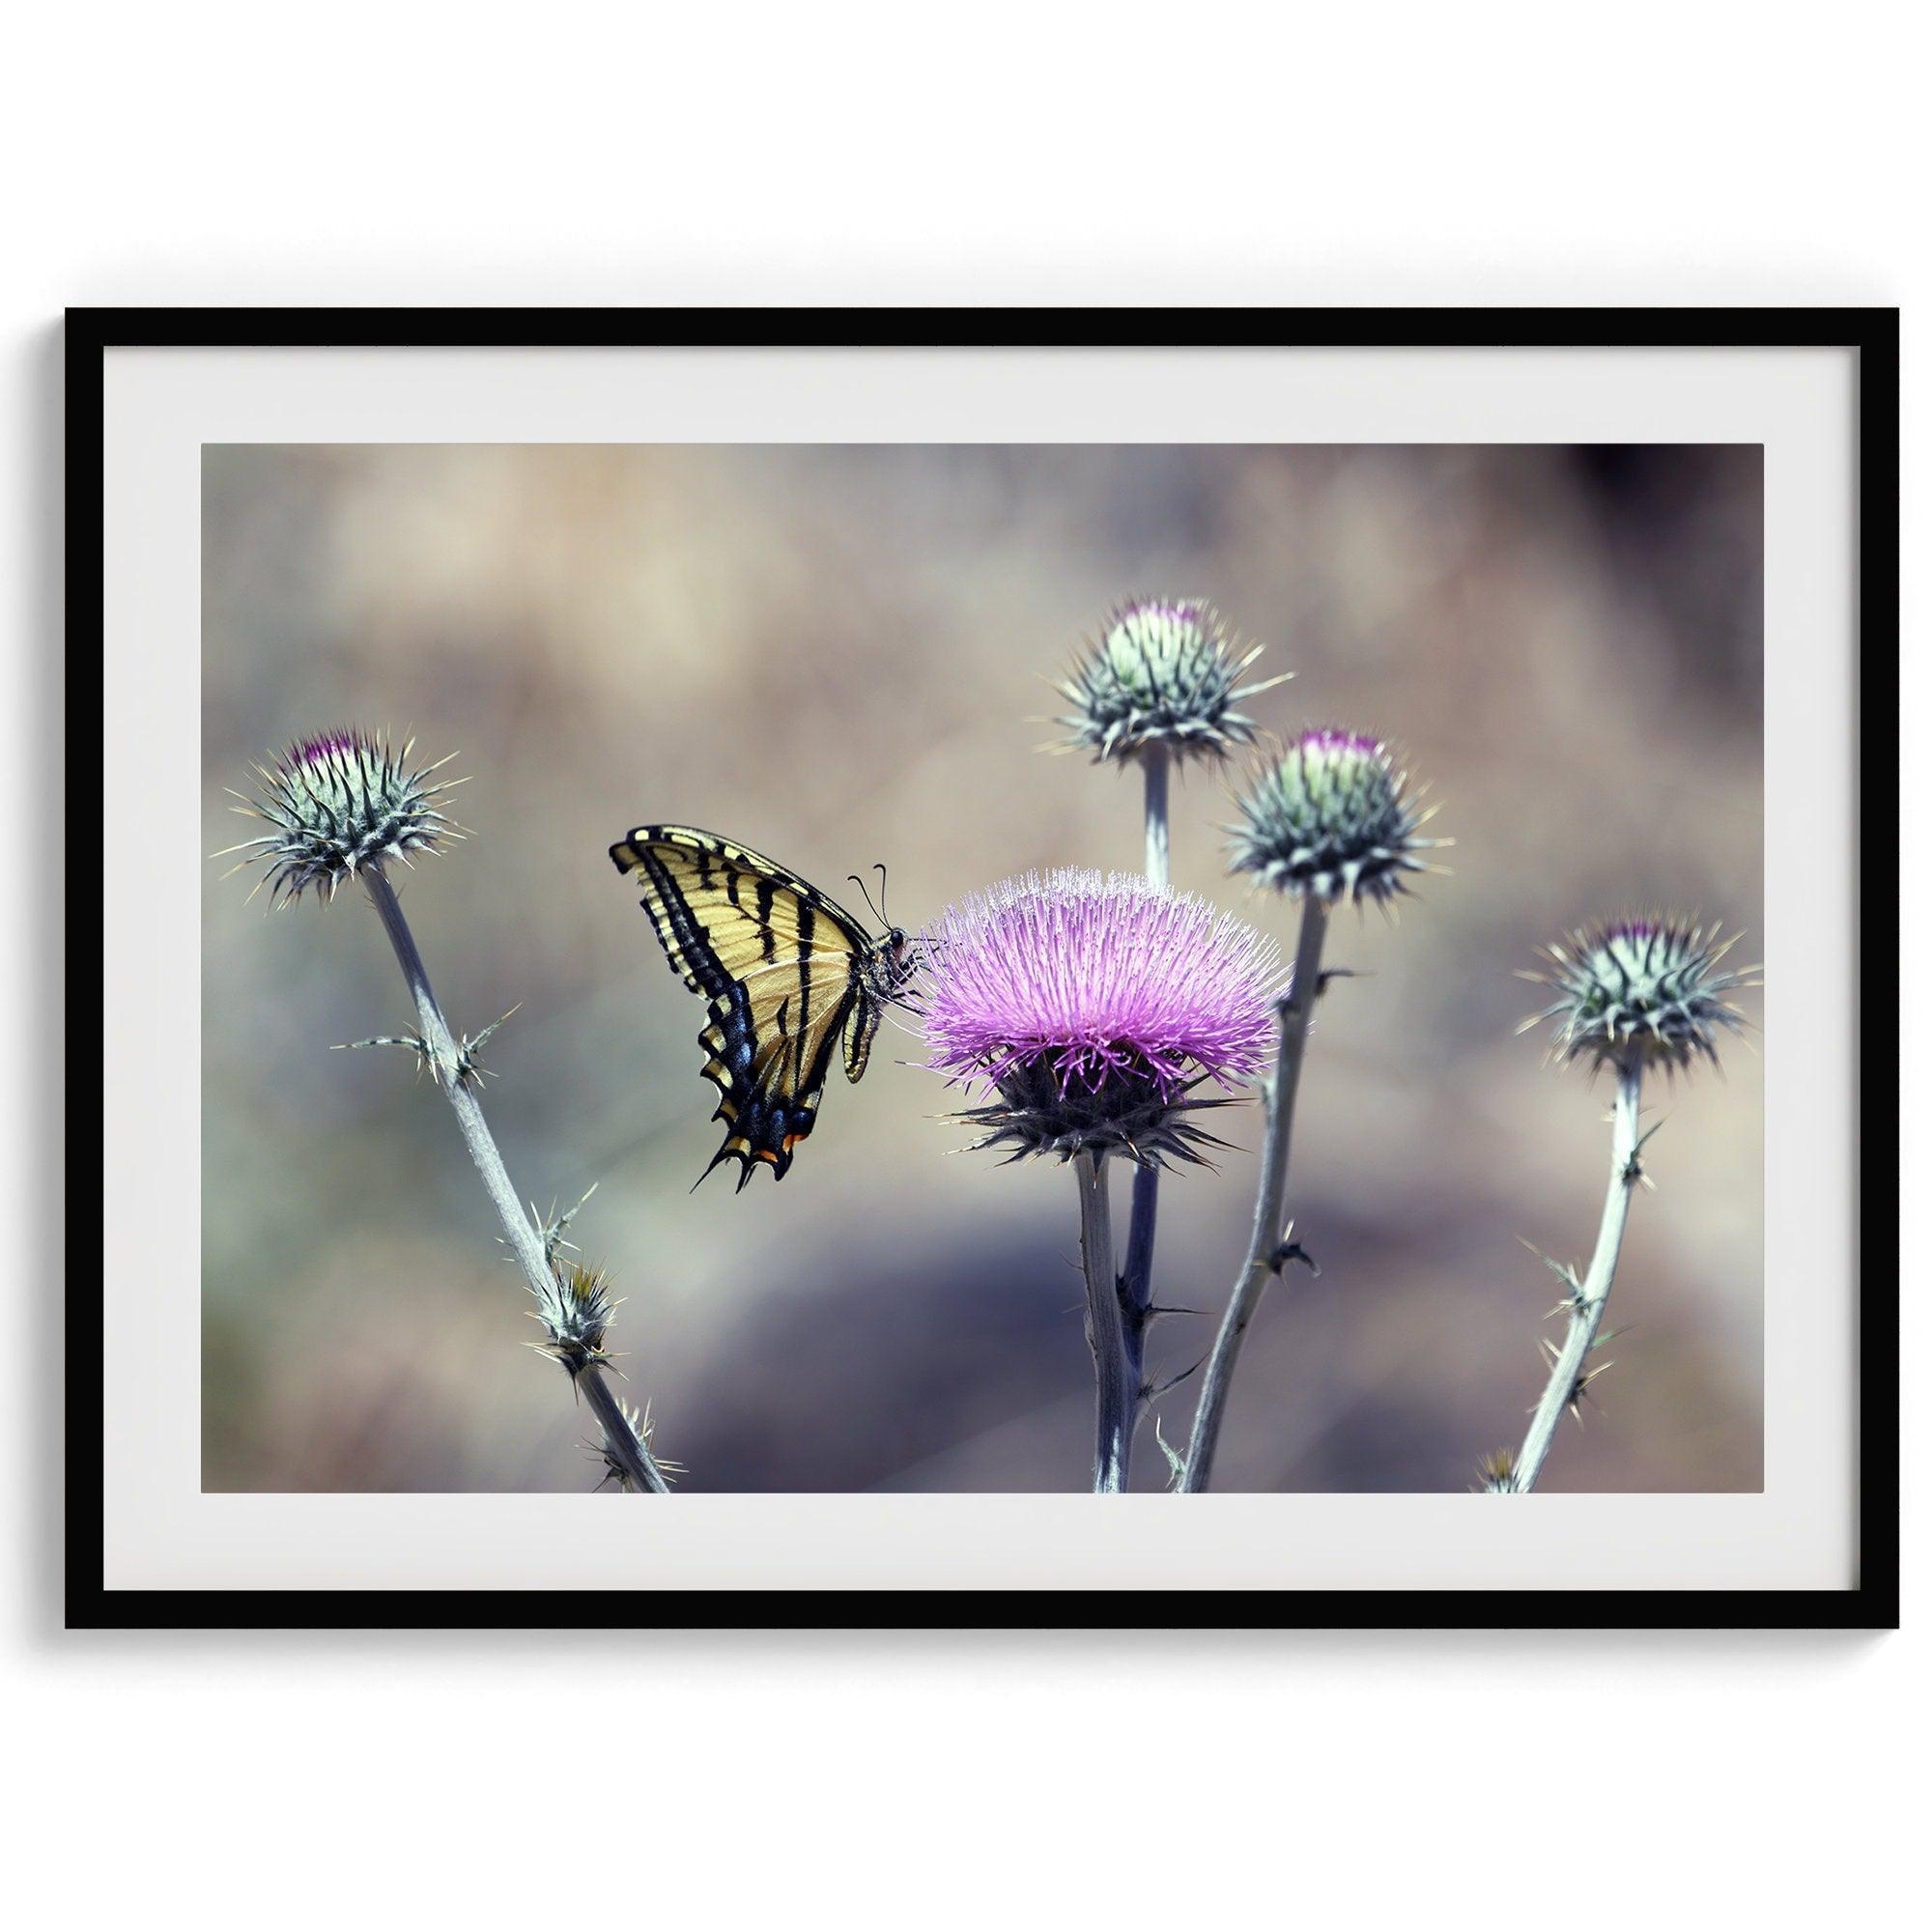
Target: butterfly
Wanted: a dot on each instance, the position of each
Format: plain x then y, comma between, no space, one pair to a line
790,976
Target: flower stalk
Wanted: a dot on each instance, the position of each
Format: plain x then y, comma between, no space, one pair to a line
1267,1248
1154,764
1137,1279
1587,1298
1115,1382
450,1065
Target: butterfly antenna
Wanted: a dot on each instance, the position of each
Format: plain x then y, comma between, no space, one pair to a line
876,911
881,871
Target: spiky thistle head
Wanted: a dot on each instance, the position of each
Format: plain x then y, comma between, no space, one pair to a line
1331,815
1167,672
1093,1006
1644,990
338,803
576,1316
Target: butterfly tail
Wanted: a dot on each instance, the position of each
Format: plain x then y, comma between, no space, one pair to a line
717,1160
778,1159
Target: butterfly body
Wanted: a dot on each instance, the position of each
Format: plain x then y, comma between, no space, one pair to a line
789,975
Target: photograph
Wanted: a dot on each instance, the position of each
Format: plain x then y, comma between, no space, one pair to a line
1032,1039
1034,1034
940,968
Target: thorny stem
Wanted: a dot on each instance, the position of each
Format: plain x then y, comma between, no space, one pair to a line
1137,1277
1292,1016
1117,1390
1137,1283
1586,1310
524,1242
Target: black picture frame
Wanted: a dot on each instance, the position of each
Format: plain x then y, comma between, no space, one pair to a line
1871,333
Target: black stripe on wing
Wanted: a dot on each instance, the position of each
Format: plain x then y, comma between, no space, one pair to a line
687,947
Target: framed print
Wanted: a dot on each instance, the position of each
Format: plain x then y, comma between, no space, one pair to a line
881,967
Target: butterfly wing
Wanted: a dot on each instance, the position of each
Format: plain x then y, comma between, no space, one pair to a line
783,968
860,1025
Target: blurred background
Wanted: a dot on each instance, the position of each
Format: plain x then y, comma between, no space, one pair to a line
834,654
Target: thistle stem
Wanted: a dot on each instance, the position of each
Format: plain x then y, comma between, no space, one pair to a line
445,1065
1586,1310
1263,1261
1155,762
1117,1390
1136,1289
1137,1282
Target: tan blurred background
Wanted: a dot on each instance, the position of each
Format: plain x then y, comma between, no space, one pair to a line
832,654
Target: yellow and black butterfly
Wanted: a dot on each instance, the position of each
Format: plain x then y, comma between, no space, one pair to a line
789,975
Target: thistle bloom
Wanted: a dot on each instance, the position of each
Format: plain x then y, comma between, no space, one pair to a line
1163,674
338,803
1330,817
1093,1005
1644,990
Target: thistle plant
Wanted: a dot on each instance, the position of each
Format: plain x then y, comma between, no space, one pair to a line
343,808
1631,995
1325,819
1159,687
1092,1008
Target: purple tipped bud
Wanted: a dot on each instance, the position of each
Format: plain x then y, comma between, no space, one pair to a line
338,803
1093,1006
1330,816
1640,990
1166,673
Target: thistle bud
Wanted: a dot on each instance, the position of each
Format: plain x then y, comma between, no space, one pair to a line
1330,816
338,803
1164,673
1646,991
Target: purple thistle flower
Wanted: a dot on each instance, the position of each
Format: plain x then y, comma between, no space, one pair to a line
1093,1005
